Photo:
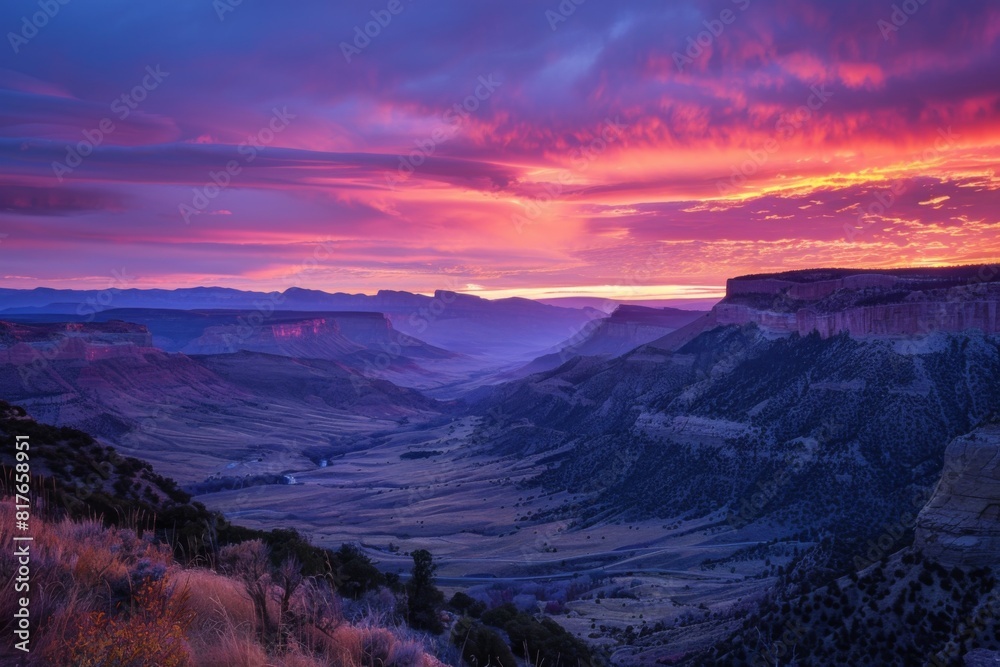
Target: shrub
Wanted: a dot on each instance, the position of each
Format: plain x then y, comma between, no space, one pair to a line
151,633
481,646
463,603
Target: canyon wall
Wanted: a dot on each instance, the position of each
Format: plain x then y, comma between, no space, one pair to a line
864,304
26,344
319,338
960,525
898,319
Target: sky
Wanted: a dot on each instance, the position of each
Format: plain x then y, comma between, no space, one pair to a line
620,149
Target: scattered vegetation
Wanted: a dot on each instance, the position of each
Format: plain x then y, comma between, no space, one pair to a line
129,571
538,641
903,610
114,597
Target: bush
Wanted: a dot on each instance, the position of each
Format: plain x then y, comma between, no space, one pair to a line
354,573
537,641
463,603
481,646
500,616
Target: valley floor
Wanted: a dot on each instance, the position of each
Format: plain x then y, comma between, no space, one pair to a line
481,521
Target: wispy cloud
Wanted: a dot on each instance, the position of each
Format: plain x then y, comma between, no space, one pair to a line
334,171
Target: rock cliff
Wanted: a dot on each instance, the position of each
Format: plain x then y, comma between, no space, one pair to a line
867,303
23,344
319,338
334,336
960,525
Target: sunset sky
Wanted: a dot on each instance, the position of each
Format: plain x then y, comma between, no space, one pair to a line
627,149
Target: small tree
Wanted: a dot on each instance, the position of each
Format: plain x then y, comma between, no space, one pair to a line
424,598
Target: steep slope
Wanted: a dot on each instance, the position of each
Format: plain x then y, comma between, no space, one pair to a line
933,603
627,328
703,429
961,523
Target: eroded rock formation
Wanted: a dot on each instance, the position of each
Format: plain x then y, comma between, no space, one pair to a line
22,344
960,525
894,303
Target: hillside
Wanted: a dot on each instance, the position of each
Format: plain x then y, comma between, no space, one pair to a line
735,412
194,417
627,328
126,570
932,603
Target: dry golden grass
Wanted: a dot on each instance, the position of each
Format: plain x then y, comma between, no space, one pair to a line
103,597
299,660
232,649
220,606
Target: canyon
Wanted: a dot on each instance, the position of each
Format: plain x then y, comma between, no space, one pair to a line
684,466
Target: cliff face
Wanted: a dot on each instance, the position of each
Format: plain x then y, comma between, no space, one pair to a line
736,313
333,336
311,338
22,344
960,525
867,303
809,290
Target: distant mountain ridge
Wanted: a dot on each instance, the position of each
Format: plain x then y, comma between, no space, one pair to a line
627,328
457,322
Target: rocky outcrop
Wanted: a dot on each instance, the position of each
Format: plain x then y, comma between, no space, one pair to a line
901,319
893,303
319,338
24,344
810,290
916,318
332,336
960,525
737,313
981,657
